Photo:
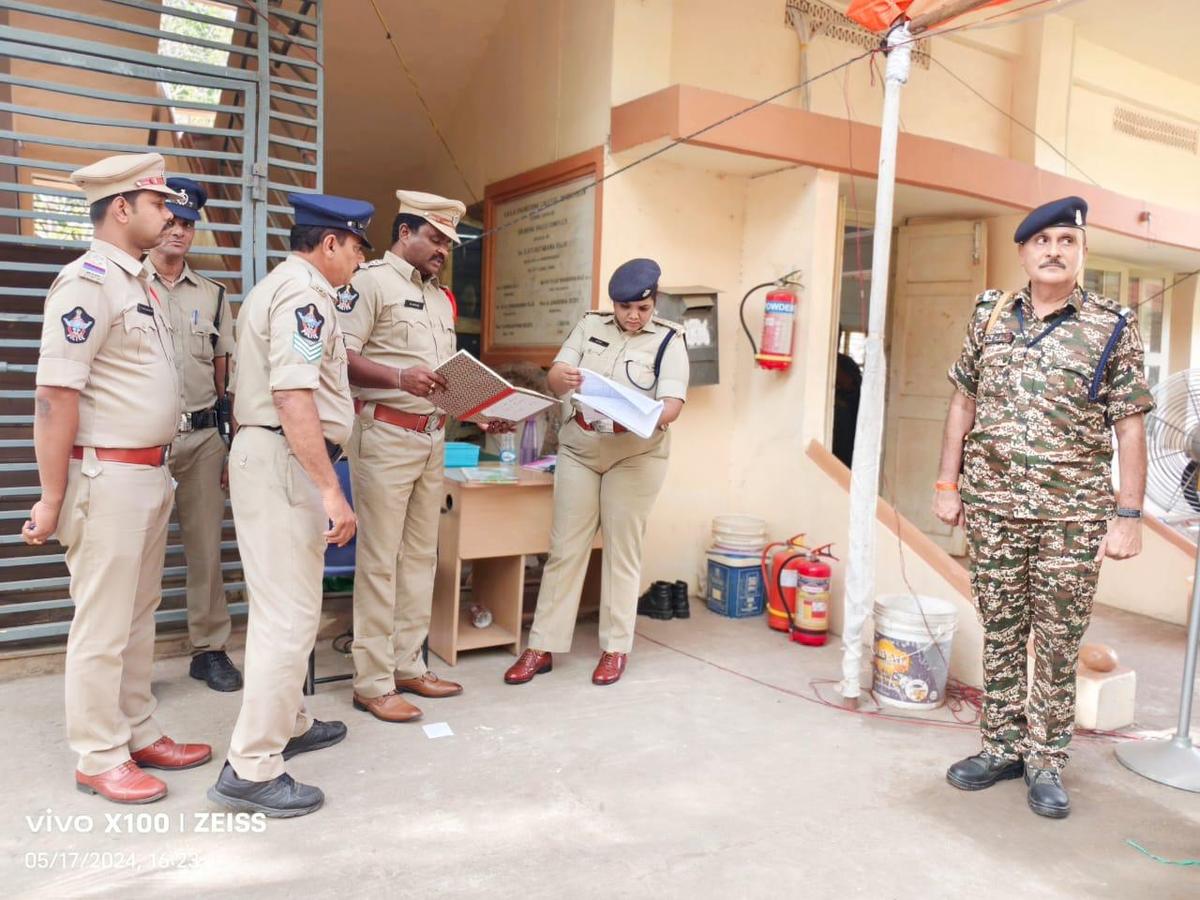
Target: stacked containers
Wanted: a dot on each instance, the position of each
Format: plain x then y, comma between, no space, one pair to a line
735,586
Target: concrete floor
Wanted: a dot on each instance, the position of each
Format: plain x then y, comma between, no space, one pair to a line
693,777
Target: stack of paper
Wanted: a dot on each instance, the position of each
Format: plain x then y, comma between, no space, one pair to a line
601,398
473,392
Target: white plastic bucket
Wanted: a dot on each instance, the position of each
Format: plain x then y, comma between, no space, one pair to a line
746,534
913,638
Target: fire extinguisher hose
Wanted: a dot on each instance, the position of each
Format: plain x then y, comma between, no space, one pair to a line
742,312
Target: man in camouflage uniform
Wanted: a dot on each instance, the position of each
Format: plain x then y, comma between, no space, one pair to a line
1046,374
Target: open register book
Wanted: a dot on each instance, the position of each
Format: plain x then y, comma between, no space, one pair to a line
474,392
601,398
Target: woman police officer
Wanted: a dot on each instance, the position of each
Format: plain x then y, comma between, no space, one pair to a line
606,477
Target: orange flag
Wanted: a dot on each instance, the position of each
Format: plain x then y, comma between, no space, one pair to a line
878,15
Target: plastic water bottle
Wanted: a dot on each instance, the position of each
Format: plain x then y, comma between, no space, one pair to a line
529,441
508,453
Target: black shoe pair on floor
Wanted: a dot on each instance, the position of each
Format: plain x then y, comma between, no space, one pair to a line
216,669
282,797
665,600
1047,796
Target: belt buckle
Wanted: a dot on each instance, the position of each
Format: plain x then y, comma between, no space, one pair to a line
431,423
185,422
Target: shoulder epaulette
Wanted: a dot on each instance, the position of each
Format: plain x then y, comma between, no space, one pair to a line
1107,303
93,267
599,312
373,264
989,296
667,323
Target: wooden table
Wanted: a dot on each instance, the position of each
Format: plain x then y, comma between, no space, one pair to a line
494,526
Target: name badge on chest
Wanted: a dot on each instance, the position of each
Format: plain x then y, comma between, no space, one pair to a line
414,304
596,340
1001,337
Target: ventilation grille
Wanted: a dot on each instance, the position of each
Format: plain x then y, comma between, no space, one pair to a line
827,21
1152,128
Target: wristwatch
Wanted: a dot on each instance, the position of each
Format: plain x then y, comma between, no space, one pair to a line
1128,512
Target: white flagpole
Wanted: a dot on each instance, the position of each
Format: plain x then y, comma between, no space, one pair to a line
864,479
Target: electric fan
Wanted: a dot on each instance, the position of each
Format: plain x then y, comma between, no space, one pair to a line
1173,451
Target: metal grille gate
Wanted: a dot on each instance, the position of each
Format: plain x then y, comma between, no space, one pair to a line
80,79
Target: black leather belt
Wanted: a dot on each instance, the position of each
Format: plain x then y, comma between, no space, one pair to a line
203,418
334,450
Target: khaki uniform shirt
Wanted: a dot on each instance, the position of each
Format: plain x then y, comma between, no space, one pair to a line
104,334
597,343
288,339
394,317
1045,401
194,305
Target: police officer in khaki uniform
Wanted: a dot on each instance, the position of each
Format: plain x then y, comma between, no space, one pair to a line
106,407
294,412
399,326
202,326
606,476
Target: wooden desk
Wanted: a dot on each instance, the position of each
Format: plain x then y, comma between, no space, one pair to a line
494,526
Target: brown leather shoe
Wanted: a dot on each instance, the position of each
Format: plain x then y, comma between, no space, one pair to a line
428,685
166,754
124,784
388,708
610,668
531,662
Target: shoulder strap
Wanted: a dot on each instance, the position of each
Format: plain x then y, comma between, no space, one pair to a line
217,318
662,350
997,311
1109,347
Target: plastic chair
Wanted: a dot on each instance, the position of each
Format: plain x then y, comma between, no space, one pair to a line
338,561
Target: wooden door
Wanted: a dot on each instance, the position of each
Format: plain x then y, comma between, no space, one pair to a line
940,268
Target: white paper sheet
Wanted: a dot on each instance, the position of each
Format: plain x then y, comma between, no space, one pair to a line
603,398
437,730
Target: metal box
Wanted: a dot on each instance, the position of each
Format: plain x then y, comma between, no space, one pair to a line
695,308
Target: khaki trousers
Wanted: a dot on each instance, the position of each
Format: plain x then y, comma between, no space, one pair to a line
280,524
609,481
197,458
114,528
396,479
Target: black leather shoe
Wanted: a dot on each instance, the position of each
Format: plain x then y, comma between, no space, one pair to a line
216,669
1047,796
319,736
279,798
679,600
982,771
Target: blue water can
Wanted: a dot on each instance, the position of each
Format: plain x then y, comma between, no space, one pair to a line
735,586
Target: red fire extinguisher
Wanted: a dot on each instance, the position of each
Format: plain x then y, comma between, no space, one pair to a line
798,590
774,350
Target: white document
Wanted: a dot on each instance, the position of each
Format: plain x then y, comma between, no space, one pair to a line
437,730
602,398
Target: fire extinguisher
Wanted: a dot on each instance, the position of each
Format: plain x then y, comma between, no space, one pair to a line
774,350
798,590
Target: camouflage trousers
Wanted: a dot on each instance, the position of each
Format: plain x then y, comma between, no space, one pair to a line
1031,576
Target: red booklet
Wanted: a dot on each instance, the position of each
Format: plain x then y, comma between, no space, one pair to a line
474,392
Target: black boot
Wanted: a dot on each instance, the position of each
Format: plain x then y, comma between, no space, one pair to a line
982,771
679,600
280,798
661,606
1047,796
644,605
216,669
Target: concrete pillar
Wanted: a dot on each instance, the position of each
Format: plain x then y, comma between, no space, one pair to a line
1042,92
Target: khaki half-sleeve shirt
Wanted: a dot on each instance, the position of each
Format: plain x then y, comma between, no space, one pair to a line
105,334
288,339
598,343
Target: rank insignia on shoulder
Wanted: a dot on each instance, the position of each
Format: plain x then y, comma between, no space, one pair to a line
307,339
999,337
347,298
596,340
414,304
94,268
77,325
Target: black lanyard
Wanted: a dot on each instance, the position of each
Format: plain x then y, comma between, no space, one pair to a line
1067,314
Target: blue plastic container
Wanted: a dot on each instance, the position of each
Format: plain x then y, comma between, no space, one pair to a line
735,586
459,455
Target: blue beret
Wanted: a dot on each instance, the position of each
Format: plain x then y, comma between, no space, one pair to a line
1069,212
196,198
329,211
634,280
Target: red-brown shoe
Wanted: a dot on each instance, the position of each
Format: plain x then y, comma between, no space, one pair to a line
530,663
428,685
610,668
124,784
166,754
390,707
